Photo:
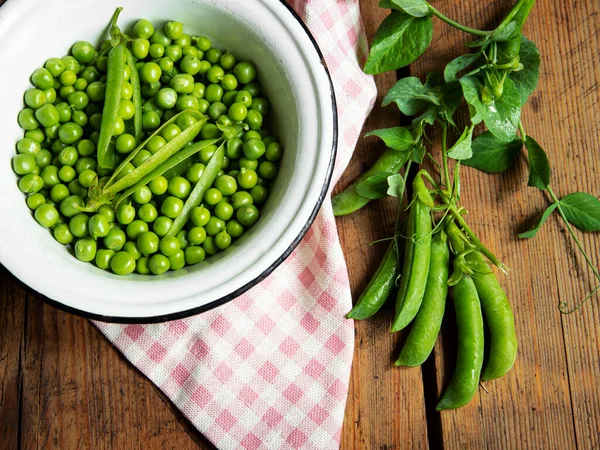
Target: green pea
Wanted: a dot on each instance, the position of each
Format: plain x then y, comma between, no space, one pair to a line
155,144
170,132
247,215
156,51
213,93
75,188
85,250
115,239
182,83
50,176
240,199
194,255
196,235
125,144
149,90
177,260
244,97
63,234
267,170
85,163
122,263
171,207
190,64
103,258
50,95
166,98
23,164
68,156
70,133
141,157
126,109
55,66
209,246
247,178
203,105
27,119
143,29
223,210
273,151
234,228
174,52
90,74
142,266
135,228
254,120
79,225
229,82
169,245
159,264
159,185
125,214
140,48
259,194
150,73
213,55
261,105
98,226
238,112
194,173
179,187
227,61
214,226
161,225
46,215
254,88
245,72
87,178
212,196
59,192
203,43
223,240
246,163
147,243
34,201
35,98
83,51
28,146
200,216
66,174
42,78
142,195
148,213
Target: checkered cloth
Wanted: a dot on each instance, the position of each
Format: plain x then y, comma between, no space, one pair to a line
270,369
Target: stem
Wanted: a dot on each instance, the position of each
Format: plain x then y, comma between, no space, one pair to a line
463,223
512,13
457,25
445,155
563,305
522,131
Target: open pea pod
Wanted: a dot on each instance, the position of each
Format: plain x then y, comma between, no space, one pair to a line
185,134
134,79
206,180
169,164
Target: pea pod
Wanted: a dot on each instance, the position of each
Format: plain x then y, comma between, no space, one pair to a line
379,288
349,200
112,100
421,340
206,180
165,152
416,258
509,50
498,316
469,358
134,79
182,156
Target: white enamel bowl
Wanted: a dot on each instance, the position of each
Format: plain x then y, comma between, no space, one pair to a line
296,81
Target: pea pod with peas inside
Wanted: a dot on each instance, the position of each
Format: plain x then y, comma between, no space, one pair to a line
416,257
422,337
379,288
349,200
499,317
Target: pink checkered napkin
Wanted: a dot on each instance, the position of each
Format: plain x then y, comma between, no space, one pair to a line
270,369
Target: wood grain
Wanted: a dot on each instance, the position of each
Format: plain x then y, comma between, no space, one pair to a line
63,386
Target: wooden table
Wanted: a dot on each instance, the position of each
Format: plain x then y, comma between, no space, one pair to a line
63,386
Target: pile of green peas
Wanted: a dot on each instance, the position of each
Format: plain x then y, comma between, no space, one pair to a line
57,163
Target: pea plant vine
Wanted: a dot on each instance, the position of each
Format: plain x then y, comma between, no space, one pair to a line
495,78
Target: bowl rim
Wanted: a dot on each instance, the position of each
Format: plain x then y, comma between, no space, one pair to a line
229,297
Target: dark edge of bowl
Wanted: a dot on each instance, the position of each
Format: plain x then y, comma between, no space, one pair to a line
271,268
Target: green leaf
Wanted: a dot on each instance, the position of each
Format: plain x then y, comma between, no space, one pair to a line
395,185
459,64
399,41
491,155
396,138
582,210
375,186
539,167
531,233
417,154
502,115
411,96
462,148
526,80
415,8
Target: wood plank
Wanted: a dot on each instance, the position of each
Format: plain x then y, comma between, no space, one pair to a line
80,393
533,404
385,404
12,336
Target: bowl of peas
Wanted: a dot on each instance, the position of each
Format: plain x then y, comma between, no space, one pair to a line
157,162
